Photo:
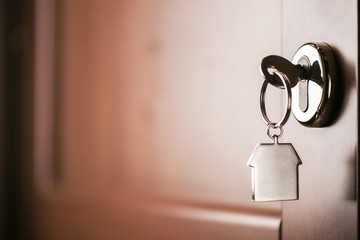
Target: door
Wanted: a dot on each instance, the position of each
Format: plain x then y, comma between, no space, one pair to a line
145,113
327,208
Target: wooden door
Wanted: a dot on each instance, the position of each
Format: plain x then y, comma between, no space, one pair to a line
328,205
146,118
144,114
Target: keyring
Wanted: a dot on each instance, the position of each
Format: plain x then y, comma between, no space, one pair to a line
273,136
286,115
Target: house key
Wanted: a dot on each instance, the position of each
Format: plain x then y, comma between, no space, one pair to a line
275,165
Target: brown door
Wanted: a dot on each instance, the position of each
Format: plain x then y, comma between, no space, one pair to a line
328,205
145,113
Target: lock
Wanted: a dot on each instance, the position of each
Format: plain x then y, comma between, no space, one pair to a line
314,83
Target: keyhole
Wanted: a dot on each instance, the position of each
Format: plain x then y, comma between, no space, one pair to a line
304,85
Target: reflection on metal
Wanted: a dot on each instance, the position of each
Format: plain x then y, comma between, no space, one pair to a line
286,114
321,89
274,172
313,79
273,63
303,95
275,166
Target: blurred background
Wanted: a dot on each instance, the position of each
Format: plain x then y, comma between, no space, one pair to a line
134,119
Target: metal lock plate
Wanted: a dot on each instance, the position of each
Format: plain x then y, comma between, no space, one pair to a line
313,102
312,75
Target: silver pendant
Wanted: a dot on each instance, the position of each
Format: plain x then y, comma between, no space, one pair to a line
274,166
274,172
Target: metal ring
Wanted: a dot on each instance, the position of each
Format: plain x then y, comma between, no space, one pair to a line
273,126
286,115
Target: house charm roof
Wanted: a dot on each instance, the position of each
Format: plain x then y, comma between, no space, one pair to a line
274,172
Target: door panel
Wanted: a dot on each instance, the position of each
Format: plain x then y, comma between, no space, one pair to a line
327,208
155,116
146,112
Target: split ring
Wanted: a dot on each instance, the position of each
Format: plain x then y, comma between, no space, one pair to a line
286,115
272,136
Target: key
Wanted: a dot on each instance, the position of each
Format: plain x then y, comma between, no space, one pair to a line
295,73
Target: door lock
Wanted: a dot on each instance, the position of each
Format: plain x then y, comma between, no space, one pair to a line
312,75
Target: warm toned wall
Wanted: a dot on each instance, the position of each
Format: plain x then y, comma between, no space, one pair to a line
163,95
153,98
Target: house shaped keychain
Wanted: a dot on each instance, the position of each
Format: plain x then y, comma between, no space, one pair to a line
274,166
274,172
